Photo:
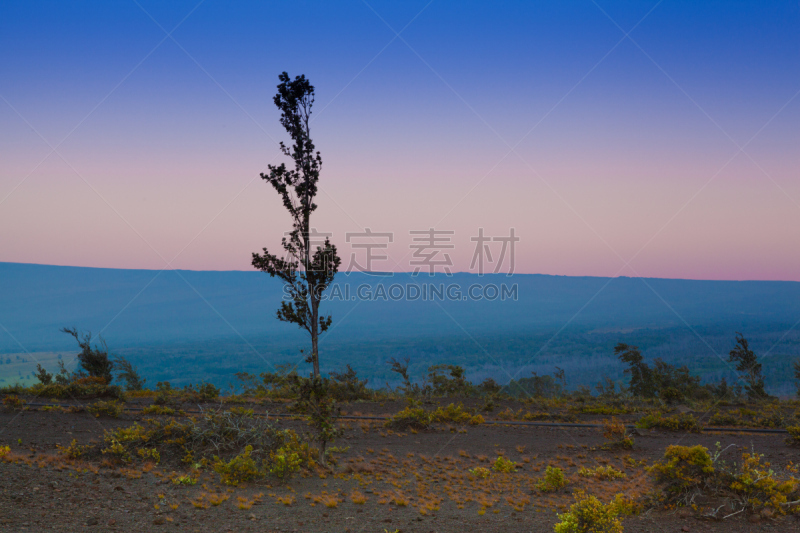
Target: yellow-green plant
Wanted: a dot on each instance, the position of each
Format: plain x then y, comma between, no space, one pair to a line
112,408
552,480
239,469
4,450
589,515
74,450
117,449
601,472
759,486
158,410
501,464
13,402
149,453
184,480
452,413
681,422
410,417
683,468
794,435
284,462
480,472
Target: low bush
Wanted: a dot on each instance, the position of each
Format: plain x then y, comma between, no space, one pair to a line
680,422
410,418
452,413
13,402
602,472
684,468
794,436
111,408
590,515
552,480
239,469
617,436
750,484
480,472
501,464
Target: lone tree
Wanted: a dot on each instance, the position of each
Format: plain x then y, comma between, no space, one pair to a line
748,366
307,268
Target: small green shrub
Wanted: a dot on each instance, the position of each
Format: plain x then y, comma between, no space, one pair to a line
480,472
681,422
683,468
501,464
552,481
794,436
111,408
452,413
239,469
410,418
156,409
589,515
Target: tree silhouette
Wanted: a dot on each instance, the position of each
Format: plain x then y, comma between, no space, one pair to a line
747,364
306,270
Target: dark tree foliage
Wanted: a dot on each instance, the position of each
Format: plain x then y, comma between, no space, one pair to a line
346,387
641,376
748,366
305,270
93,361
401,367
448,380
662,380
127,374
538,386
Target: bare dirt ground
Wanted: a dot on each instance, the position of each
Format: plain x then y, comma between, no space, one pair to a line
411,482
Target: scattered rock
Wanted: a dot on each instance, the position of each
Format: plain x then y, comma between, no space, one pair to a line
754,518
91,522
685,528
159,521
112,522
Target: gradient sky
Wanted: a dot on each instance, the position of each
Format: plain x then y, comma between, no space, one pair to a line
608,155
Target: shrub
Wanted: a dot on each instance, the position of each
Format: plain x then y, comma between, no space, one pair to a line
315,400
794,435
614,431
448,380
85,388
602,472
111,408
681,422
502,464
452,413
553,480
589,515
284,462
476,420
4,450
239,469
149,453
758,486
158,410
684,468
184,480
410,418
346,387
202,392
74,450
93,360
13,402
480,472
